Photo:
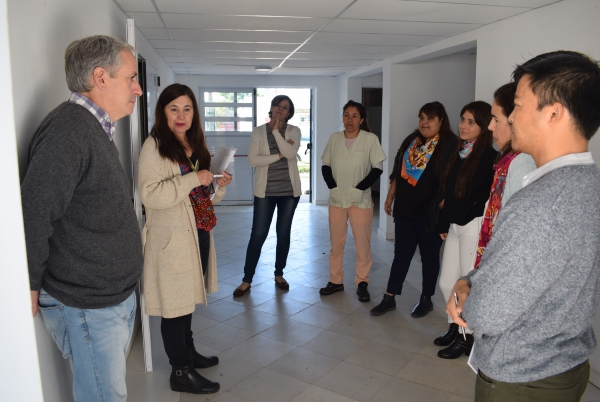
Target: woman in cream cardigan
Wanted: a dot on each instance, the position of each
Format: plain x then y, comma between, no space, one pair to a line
273,149
180,267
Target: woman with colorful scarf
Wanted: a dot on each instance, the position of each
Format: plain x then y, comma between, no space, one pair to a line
465,190
414,183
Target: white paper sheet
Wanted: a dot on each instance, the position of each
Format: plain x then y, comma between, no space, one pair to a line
472,362
220,161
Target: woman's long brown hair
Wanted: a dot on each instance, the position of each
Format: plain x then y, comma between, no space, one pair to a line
482,111
169,147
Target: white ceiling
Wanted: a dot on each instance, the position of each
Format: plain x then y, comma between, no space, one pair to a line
306,37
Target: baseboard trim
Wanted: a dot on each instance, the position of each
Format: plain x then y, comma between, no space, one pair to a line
385,235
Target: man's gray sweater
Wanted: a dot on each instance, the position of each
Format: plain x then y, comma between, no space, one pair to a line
83,240
534,297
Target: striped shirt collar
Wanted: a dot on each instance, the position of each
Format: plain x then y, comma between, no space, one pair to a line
107,124
583,158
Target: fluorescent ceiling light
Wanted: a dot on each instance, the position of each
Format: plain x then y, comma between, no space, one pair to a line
262,69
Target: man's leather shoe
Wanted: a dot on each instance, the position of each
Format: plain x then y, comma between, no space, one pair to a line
240,292
200,361
448,337
331,288
457,348
423,308
362,292
187,379
388,303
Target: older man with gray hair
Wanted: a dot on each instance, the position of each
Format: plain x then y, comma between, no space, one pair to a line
83,242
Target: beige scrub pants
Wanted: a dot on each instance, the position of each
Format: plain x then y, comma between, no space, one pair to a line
361,220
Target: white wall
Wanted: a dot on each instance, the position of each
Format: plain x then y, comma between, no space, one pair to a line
17,338
39,32
327,114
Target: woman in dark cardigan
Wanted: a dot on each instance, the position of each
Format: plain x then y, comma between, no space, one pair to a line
419,167
465,190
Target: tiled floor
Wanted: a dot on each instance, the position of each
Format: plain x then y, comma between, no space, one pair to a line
298,346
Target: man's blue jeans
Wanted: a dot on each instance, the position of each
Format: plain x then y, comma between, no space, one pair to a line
264,208
95,341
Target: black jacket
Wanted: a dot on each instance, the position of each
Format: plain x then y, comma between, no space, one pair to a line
471,206
415,200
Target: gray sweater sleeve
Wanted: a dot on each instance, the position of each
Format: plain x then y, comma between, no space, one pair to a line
519,167
531,256
55,168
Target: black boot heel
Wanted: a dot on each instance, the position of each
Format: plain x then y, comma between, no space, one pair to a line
187,379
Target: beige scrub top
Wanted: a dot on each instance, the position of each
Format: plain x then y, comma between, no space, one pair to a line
351,166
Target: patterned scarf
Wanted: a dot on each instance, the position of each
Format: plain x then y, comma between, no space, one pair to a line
416,158
465,149
494,204
200,198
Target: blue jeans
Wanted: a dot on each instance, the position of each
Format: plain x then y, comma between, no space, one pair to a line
264,208
95,341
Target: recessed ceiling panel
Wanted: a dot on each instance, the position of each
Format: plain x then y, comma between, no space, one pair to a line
155,33
136,5
350,49
341,56
196,45
199,21
372,39
239,36
429,11
502,3
327,63
225,53
304,8
398,27
146,20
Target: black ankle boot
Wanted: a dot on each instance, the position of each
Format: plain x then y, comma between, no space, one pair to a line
448,337
423,308
200,361
457,348
388,303
187,379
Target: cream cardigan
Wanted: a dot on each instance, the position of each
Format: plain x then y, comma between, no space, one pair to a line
260,156
173,282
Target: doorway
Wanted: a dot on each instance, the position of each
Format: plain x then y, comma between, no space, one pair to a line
372,101
302,98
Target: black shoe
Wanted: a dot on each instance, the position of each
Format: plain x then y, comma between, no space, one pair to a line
457,348
388,303
200,361
187,379
448,337
331,288
423,308
362,292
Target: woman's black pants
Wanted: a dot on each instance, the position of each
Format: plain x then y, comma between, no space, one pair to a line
410,233
177,332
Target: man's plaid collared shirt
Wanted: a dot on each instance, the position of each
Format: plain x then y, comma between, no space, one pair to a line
107,124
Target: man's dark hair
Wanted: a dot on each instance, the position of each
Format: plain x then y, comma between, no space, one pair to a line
571,78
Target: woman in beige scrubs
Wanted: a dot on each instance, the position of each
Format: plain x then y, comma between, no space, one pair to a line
352,162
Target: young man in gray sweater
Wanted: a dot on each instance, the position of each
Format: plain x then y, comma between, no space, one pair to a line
84,247
533,299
